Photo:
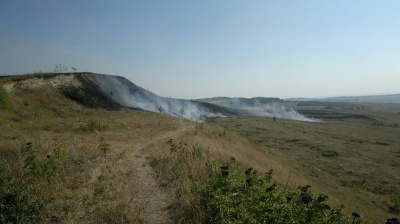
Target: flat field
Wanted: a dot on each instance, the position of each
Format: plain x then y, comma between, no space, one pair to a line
352,155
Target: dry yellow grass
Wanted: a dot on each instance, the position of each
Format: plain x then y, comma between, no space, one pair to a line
132,183
87,187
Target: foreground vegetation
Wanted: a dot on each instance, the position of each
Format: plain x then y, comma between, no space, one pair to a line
212,191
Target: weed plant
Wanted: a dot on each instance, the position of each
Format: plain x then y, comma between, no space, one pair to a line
104,148
35,165
5,100
19,202
93,125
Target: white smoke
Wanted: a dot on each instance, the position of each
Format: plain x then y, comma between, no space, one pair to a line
281,112
128,94
255,107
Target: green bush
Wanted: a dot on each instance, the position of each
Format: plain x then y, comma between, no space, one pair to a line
18,202
93,125
5,100
237,196
208,192
36,164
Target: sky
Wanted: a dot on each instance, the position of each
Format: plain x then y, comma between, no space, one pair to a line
196,49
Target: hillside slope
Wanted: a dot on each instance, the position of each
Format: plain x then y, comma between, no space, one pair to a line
114,92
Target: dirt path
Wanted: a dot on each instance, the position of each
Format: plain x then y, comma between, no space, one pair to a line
153,199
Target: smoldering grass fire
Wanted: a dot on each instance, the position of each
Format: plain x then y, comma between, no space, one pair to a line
128,94
186,109
281,112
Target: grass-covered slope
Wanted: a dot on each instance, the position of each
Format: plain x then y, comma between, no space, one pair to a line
63,161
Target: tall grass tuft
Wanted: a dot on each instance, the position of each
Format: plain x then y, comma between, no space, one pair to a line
93,125
5,100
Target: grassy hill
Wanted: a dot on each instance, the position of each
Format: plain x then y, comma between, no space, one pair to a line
71,156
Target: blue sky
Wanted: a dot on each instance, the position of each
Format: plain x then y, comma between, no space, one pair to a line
195,49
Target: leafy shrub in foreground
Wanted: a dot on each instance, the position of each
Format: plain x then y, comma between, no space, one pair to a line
208,192
234,196
18,203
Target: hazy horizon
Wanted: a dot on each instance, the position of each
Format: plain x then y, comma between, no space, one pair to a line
192,50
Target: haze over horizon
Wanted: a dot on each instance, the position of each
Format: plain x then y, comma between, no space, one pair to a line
187,49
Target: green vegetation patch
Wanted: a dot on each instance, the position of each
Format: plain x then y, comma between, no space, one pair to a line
5,100
237,196
93,125
329,153
208,192
329,105
18,202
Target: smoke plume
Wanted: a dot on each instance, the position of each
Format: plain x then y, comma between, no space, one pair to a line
281,112
128,94
264,107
